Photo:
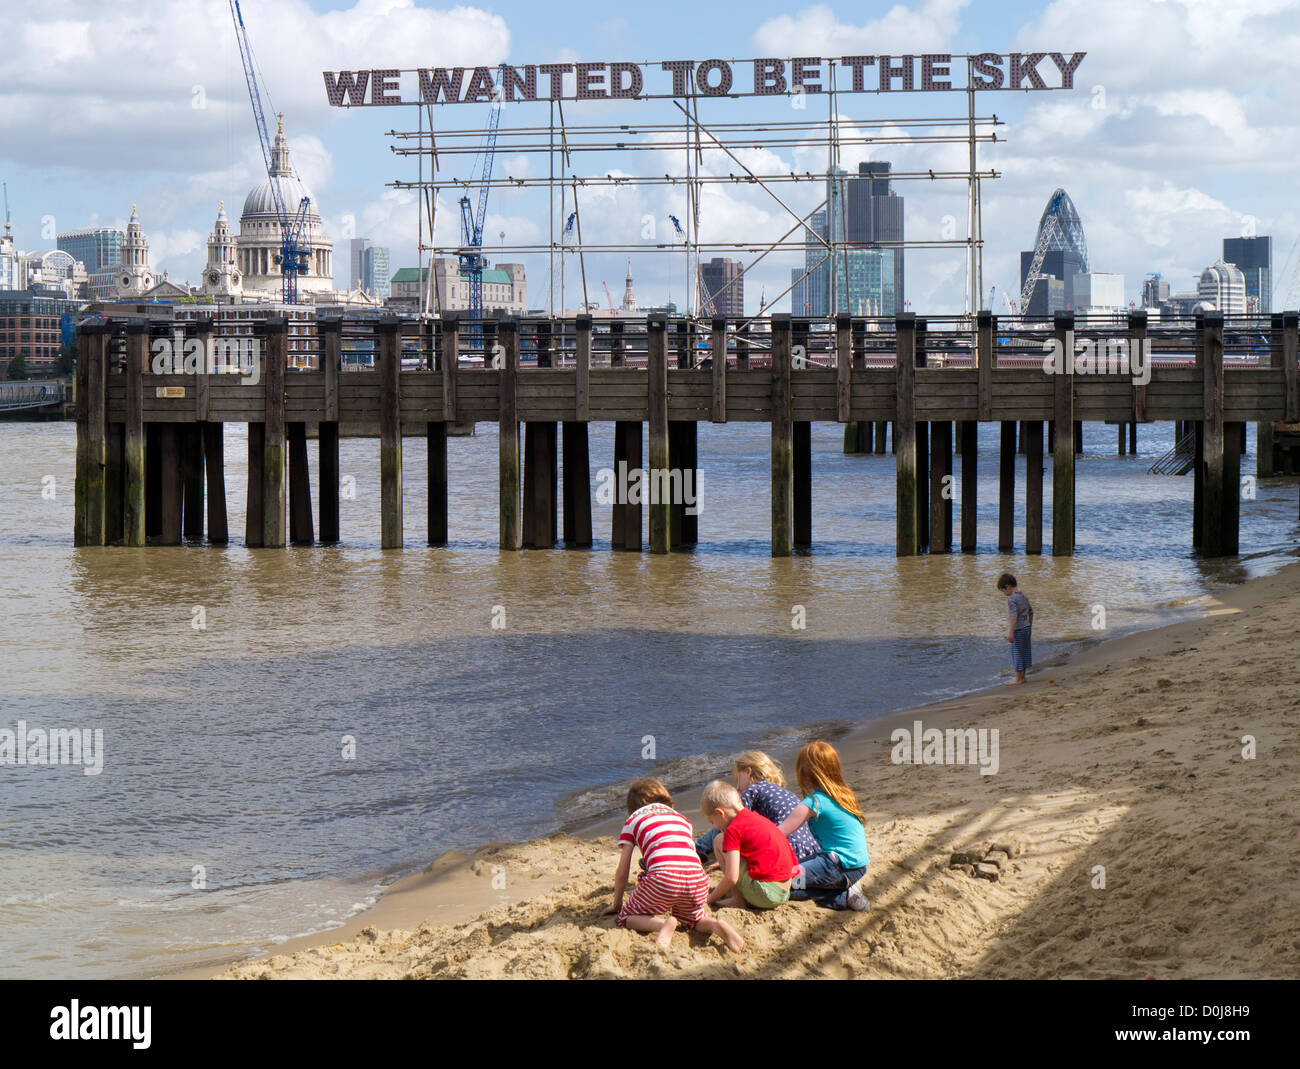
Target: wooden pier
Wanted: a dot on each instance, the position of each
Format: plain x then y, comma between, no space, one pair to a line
150,457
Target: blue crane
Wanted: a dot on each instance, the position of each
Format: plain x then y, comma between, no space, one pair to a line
471,225
293,257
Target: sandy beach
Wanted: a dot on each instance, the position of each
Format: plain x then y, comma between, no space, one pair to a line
1150,783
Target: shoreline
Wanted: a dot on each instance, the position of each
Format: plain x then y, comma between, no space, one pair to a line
455,892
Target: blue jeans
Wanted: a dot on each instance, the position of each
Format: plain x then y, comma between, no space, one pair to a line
704,846
825,881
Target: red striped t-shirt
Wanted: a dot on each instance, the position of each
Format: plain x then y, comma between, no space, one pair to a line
664,838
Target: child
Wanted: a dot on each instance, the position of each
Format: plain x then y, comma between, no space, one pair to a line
757,862
762,788
835,877
1020,623
673,881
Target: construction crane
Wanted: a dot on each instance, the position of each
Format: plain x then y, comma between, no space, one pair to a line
1036,265
608,296
9,229
293,257
471,258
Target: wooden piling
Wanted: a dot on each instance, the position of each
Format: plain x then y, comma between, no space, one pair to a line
171,485
985,326
577,485
882,430
329,333
616,343
133,480
576,477
907,532
153,483
114,475
92,433
625,526
968,434
191,438
301,532
941,486
657,399
718,356
276,334
1290,343
782,439
1215,492
844,371
1198,483
539,485
388,358
1033,435
922,452
1063,454
801,444
511,528
1232,452
1007,487
214,459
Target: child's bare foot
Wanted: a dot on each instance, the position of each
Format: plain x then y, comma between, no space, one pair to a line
665,935
733,939
1013,682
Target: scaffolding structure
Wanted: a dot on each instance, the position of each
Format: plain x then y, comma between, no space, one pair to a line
445,154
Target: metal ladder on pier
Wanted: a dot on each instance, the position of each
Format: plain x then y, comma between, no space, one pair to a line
1179,460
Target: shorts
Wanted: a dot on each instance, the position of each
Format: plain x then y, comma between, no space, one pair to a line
762,894
683,894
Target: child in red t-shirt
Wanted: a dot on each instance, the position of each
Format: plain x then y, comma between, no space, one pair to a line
757,862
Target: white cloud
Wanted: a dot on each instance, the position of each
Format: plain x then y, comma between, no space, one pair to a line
924,27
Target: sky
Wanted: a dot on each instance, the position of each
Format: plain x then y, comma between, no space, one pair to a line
1181,129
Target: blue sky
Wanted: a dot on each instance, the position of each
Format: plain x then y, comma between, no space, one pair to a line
1181,129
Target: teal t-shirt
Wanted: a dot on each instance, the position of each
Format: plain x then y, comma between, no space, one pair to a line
835,828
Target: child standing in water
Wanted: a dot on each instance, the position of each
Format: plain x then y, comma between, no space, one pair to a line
1020,623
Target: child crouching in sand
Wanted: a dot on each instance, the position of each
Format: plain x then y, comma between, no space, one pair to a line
834,878
757,862
1020,626
673,881
761,784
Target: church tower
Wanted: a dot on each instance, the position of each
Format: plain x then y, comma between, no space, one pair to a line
221,276
134,275
629,298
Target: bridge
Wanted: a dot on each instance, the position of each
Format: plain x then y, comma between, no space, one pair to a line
33,398
150,445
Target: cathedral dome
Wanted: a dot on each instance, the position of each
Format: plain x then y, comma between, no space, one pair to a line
261,198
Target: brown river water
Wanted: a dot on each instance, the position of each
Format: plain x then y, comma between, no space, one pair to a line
228,813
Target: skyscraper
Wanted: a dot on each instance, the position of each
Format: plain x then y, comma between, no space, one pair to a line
722,285
96,247
1254,258
369,268
862,212
1067,256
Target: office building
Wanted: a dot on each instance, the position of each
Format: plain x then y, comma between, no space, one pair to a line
1253,257
30,328
369,268
722,287
1098,291
1066,257
1155,291
96,247
1223,286
504,289
863,214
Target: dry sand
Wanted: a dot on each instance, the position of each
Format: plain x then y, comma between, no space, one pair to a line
1127,762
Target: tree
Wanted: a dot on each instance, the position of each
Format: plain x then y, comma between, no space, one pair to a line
18,367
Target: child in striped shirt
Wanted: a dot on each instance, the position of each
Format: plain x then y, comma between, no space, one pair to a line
673,881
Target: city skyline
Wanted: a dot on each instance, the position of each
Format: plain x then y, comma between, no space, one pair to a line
1164,160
